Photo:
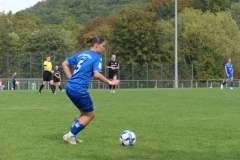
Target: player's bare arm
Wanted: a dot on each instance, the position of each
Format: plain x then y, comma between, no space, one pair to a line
99,76
66,69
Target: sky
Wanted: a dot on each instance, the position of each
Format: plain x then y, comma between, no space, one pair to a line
16,5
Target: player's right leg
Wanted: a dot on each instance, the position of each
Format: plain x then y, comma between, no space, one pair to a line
226,81
110,79
54,85
45,79
41,87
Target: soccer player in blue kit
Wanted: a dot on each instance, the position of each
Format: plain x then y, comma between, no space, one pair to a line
229,74
87,64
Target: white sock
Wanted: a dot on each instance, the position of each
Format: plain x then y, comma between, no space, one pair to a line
70,134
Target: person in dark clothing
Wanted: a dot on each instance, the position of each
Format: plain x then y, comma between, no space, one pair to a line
113,67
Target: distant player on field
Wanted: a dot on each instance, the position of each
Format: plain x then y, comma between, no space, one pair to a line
113,67
47,74
87,64
57,78
14,80
229,74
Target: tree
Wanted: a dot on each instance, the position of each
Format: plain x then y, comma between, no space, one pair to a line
22,25
167,3
6,19
45,40
25,21
14,43
4,40
165,11
136,37
71,28
235,11
215,6
42,42
83,11
69,24
168,45
207,41
102,26
137,40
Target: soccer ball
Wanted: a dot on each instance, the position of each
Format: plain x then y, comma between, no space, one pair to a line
17,83
127,138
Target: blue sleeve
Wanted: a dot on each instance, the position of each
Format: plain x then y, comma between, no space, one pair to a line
71,60
97,66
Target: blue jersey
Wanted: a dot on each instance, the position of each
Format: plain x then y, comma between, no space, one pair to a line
86,63
229,68
14,78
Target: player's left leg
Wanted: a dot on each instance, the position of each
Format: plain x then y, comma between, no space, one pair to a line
41,87
226,81
46,77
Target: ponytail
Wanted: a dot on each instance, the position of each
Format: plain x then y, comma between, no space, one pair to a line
95,39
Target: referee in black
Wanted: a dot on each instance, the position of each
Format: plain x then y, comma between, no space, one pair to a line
113,67
57,78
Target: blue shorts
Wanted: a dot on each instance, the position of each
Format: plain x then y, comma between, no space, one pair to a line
230,75
81,100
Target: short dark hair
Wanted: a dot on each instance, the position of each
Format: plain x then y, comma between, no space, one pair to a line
95,39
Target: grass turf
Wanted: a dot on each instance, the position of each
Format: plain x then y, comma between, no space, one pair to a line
170,124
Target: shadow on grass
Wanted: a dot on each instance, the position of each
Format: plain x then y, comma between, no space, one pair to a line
54,137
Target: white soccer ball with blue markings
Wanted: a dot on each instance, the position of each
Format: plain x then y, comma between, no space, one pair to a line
127,138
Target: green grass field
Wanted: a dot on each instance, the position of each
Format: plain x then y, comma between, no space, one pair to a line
170,124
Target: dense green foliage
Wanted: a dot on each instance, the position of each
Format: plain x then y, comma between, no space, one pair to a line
215,6
55,11
138,33
207,41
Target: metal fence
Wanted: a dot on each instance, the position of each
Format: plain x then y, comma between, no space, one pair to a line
27,65
30,65
29,68
34,84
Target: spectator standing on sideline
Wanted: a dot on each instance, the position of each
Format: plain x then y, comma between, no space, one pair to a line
14,80
57,78
87,64
47,74
113,67
1,84
229,74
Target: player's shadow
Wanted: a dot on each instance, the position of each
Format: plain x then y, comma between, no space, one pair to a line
54,137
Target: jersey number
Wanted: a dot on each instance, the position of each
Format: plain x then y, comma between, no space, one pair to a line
78,66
